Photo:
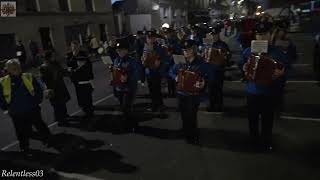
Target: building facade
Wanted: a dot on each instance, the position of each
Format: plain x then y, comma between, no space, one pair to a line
54,24
147,14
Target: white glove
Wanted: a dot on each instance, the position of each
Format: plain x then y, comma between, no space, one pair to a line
5,112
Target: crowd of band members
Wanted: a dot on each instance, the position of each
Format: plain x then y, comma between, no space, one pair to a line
263,102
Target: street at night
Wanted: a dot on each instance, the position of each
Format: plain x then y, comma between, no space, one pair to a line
95,146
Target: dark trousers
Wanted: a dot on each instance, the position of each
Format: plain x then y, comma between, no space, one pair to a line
126,100
261,106
216,91
154,83
84,96
171,87
60,111
143,75
23,123
188,107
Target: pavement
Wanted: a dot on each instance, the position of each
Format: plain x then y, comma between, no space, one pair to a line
156,151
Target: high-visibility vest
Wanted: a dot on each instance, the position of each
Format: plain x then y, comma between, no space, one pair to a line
6,85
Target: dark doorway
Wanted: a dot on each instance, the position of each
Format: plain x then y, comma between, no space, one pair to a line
31,6
76,32
103,33
64,6
45,38
89,6
7,46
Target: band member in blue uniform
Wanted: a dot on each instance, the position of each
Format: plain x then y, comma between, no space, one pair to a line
126,89
280,39
261,99
156,72
81,71
189,104
216,86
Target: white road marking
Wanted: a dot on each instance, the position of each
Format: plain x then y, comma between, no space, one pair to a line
55,123
300,118
297,65
288,82
76,176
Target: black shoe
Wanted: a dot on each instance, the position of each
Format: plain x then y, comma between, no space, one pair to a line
210,109
219,109
163,108
26,152
193,141
268,147
63,123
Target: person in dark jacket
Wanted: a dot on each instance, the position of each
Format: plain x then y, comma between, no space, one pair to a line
189,104
81,71
139,46
52,74
111,50
21,96
21,53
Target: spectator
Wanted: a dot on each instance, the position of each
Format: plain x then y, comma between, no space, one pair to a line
21,95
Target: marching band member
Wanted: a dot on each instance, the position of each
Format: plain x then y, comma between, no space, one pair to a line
189,103
281,40
126,86
261,98
156,70
195,36
111,49
216,86
173,47
80,67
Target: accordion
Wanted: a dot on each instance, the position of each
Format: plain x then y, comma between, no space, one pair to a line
187,82
117,73
150,59
216,56
260,69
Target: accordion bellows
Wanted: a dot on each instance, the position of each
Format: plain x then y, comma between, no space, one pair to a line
116,76
261,68
187,82
216,56
150,60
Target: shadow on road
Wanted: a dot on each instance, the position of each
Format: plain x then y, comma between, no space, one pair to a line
303,110
75,154
236,141
159,133
112,122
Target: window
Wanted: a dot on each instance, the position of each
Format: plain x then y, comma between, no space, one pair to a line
165,12
64,5
184,13
89,5
45,36
175,13
32,5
